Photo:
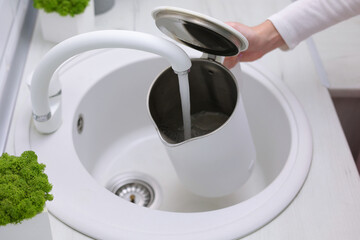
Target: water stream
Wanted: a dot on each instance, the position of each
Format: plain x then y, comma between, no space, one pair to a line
185,104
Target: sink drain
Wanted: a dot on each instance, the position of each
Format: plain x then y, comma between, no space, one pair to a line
137,192
136,188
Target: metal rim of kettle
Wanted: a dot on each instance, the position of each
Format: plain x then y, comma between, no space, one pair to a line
199,31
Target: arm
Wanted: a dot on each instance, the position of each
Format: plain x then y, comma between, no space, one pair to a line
293,24
303,18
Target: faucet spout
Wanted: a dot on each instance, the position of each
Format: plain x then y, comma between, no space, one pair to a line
46,114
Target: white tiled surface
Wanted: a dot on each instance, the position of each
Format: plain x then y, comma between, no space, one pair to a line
328,206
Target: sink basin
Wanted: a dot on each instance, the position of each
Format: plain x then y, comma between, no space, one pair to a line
107,146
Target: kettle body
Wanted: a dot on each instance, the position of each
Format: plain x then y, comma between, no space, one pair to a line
219,156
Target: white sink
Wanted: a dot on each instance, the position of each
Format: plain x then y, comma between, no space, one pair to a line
108,89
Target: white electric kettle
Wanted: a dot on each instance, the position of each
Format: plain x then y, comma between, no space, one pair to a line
219,156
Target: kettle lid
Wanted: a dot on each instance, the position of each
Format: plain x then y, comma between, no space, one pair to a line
199,31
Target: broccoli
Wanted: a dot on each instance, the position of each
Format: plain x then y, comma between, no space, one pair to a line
24,187
62,7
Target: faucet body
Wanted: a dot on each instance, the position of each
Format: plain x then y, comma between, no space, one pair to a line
47,112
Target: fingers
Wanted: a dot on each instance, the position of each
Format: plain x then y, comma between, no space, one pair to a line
239,27
230,62
262,39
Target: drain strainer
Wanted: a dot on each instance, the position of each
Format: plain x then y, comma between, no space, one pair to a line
137,188
138,192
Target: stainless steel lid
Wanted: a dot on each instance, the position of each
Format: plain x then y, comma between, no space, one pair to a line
199,31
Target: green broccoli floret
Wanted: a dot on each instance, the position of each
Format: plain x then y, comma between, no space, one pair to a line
62,7
24,187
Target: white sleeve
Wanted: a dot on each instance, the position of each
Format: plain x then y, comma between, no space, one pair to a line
303,18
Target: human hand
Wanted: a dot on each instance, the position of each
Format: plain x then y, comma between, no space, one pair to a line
262,39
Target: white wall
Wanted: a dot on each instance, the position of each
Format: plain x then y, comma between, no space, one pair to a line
13,50
11,18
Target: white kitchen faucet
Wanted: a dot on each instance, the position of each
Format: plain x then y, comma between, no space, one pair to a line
47,112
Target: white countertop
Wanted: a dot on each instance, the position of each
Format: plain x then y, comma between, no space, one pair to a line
328,206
